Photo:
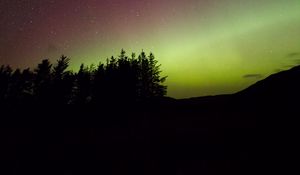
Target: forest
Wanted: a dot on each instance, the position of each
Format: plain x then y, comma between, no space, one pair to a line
121,79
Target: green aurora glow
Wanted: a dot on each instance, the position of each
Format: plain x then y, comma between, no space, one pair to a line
204,48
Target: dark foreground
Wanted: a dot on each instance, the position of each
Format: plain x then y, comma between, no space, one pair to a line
213,135
254,131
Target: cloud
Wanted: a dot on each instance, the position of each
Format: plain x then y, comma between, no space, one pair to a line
293,55
289,66
255,76
277,70
297,61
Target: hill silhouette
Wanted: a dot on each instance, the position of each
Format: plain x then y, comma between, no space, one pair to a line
284,83
268,108
250,132
280,89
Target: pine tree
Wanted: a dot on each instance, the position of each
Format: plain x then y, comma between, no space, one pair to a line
122,80
155,86
98,86
5,76
20,87
59,70
15,87
150,82
27,85
82,85
62,83
42,82
127,79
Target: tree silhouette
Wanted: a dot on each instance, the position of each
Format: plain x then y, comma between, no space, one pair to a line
20,87
42,81
62,82
122,80
27,85
59,70
5,77
156,89
150,83
82,87
99,87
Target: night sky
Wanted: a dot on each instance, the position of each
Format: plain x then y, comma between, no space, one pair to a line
205,47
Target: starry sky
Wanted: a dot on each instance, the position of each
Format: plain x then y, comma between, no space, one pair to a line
206,47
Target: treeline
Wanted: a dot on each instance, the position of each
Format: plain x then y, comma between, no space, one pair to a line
121,79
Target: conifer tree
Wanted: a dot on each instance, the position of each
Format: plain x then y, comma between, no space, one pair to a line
5,75
42,82
62,83
82,85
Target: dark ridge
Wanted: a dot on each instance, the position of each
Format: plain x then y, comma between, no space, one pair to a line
284,84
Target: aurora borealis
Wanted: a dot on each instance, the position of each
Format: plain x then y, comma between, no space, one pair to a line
205,47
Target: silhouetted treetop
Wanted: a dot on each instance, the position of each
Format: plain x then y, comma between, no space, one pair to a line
120,80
